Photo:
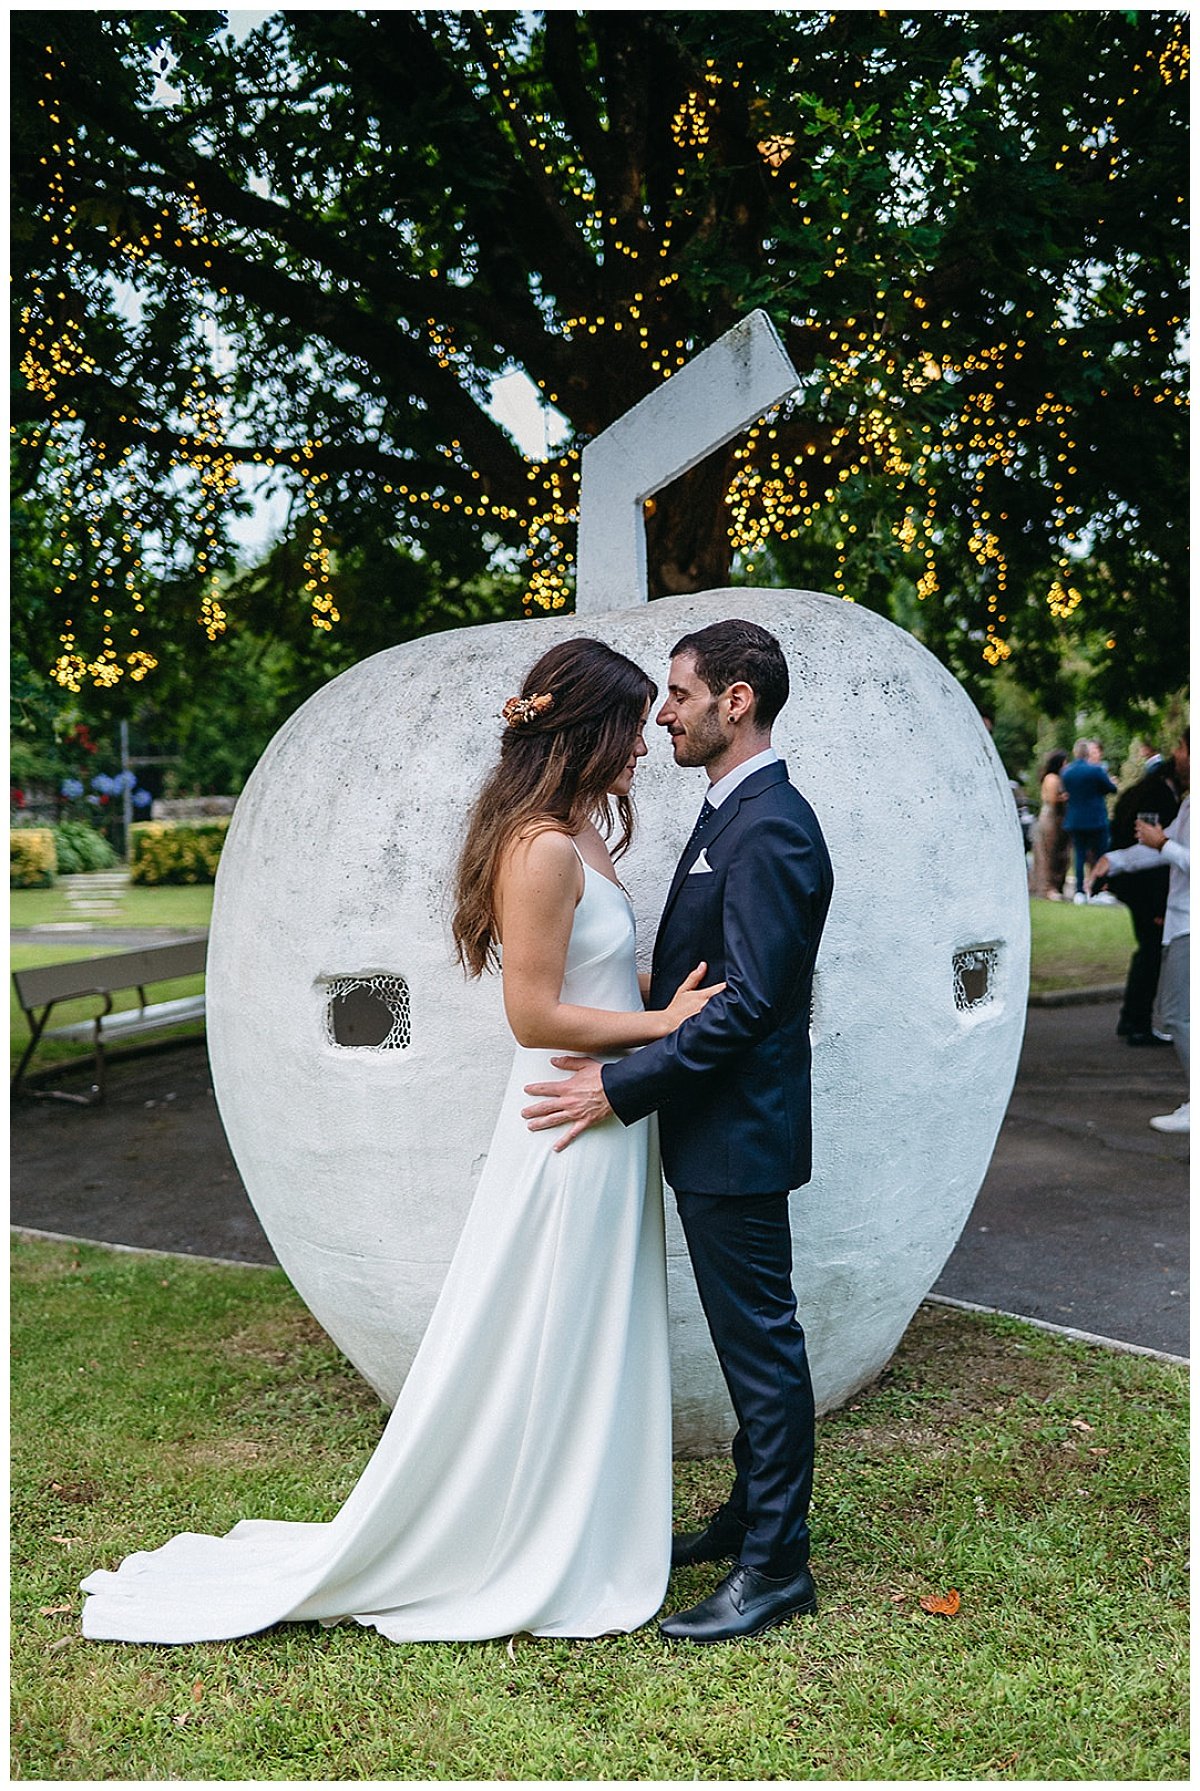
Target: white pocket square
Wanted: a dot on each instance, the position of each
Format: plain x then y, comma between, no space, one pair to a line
701,864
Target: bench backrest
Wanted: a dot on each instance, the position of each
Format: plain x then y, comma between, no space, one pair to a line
119,970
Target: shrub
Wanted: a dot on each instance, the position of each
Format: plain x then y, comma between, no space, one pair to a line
175,851
32,860
81,848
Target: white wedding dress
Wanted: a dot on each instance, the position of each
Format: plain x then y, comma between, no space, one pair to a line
523,1481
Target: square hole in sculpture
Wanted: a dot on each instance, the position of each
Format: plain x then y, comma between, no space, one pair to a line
975,977
368,1013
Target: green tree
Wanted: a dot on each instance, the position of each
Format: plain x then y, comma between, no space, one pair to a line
308,255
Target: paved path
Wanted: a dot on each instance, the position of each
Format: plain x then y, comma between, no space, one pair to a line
1082,1220
100,939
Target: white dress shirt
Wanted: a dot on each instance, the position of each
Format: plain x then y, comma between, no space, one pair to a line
725,786
1177,852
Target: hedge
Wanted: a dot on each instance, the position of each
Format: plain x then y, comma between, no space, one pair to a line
81,848
175,851
32,858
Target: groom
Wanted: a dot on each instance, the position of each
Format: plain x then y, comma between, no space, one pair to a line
732,1088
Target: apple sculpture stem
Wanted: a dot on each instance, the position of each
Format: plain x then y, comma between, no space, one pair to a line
703,406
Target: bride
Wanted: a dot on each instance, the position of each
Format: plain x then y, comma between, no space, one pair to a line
523,1481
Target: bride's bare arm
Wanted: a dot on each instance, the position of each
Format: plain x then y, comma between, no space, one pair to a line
539,884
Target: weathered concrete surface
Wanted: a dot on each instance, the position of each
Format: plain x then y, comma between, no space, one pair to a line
361,1164
1082,1220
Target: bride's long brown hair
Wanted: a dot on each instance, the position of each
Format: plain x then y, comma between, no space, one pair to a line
554,771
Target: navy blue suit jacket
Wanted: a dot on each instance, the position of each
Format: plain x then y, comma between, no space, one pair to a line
1086,785
733,1085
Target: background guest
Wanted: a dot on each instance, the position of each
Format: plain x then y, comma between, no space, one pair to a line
1087,783
1170,845
1050,846
1157,793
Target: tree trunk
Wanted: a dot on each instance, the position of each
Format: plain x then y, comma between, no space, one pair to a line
687,540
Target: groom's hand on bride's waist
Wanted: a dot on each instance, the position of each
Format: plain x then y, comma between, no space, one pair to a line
578,1101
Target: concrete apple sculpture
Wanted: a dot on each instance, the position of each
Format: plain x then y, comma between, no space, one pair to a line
358,1074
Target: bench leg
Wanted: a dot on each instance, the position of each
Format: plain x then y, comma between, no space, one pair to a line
31,1047
95,1094
98,1086
36,1026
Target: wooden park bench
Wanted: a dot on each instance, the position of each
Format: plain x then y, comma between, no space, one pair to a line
41,989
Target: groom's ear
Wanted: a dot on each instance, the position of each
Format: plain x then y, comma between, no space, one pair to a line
739,701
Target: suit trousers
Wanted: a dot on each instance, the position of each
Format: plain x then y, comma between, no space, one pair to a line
1174,1011
741,1252
1089,844
1144,893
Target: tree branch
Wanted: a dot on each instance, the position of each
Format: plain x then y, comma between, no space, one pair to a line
399,65
185,169
400,368
110,413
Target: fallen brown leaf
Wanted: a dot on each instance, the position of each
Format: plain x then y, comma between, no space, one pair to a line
1081,1424
198,1690
943,1604
55,1610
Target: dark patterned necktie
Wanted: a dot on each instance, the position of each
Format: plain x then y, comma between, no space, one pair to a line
702,820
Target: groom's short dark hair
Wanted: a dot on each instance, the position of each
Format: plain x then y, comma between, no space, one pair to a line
740,652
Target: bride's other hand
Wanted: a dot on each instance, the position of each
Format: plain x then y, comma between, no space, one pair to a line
689,998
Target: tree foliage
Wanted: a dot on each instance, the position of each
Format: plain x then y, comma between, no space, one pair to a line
306,256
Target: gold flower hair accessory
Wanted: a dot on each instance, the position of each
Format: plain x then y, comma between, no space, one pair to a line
518,712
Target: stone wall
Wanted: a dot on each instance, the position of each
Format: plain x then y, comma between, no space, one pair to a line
191,808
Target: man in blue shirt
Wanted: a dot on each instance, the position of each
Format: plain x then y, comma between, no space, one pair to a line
1086,819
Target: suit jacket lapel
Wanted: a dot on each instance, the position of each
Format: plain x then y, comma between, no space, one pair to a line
761,780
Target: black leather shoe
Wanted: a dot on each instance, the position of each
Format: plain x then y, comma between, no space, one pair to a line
1145,1038
744,1604
721,1540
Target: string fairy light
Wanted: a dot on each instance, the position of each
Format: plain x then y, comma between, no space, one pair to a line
888,424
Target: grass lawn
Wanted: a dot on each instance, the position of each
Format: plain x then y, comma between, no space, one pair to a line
187,907
1078,947
1043,1480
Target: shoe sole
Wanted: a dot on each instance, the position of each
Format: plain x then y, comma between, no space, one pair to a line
800,1610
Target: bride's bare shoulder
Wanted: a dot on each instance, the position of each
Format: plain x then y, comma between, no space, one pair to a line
540,848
